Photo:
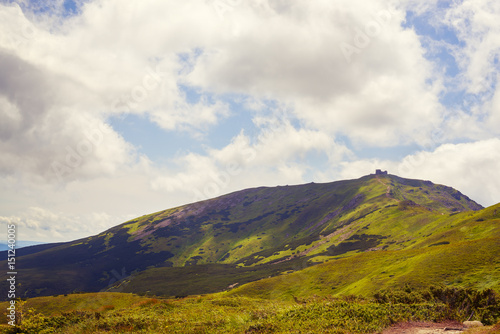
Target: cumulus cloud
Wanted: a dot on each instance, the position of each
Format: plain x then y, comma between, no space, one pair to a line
355,72
44,133
61,80
43,225
348,73
278,155
471,168
477,27
107,61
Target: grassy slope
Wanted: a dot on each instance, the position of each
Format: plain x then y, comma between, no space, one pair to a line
460,250
412,244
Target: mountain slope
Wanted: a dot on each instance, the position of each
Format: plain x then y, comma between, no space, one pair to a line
464,252
250,234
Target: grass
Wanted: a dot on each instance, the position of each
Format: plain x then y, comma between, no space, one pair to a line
53,305
219,313
471,264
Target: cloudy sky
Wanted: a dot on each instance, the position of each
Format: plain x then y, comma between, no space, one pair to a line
113,109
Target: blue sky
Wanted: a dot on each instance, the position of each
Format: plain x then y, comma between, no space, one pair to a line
110,110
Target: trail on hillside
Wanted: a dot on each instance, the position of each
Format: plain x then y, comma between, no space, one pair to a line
387,193
388,187
448,327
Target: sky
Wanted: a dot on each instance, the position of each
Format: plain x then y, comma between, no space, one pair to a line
114,109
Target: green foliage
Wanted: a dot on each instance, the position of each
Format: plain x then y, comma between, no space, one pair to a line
407,295
462,303
33,322
222,314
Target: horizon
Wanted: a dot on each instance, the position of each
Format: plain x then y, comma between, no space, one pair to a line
111,110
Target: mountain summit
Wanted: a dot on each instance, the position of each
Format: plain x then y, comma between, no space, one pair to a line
253,233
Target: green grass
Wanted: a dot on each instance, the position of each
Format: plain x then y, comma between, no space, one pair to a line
222,314
54,305
473,263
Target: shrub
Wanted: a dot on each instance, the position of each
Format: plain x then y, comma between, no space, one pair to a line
462,303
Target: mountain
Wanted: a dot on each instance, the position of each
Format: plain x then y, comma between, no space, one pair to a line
336,234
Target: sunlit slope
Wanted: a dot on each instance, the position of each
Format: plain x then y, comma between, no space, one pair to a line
260,225
268,229
461,250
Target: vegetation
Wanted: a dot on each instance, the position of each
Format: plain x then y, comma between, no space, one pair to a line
461,303
474,264
218,313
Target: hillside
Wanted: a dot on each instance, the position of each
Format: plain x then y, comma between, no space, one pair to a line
376,221
464,254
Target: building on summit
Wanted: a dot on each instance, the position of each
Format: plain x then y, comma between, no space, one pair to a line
380,172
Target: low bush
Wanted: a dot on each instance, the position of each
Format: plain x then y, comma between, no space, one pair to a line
222,314
461,303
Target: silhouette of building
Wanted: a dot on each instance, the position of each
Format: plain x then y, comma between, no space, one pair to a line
380,172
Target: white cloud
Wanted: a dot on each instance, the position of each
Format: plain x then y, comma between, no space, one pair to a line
477,25
82,207
278,155
478,29
385,91
472,168
60,80
43,225
43,126
493,120
133,57
344,69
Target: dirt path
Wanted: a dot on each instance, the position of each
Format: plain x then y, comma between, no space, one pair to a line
448,327
387,193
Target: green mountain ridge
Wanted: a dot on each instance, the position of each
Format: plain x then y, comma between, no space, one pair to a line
304,231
